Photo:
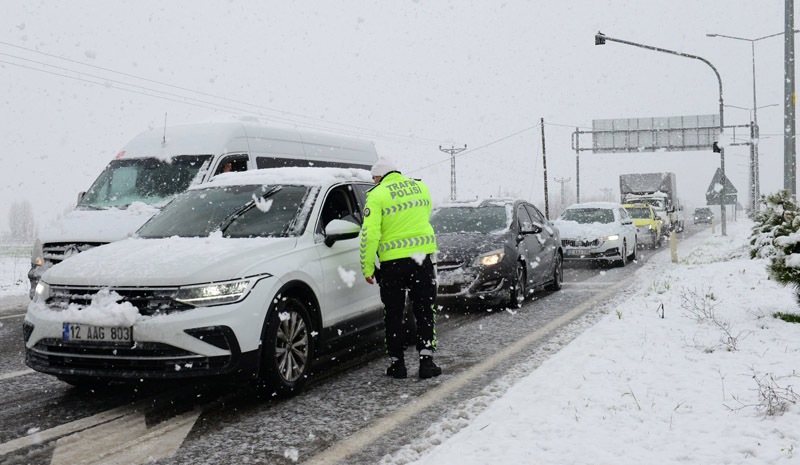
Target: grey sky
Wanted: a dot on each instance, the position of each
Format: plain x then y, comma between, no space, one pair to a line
410,75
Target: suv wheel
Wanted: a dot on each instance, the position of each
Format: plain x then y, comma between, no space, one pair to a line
286,348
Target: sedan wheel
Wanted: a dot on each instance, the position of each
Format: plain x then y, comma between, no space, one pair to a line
624,256
558,274
518,287
286,348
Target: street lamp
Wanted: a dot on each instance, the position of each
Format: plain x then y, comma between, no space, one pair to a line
600,39
755,178
755,188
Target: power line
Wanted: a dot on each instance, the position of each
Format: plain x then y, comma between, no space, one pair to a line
476,149
204,104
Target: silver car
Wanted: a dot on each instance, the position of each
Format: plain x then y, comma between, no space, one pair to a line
597,231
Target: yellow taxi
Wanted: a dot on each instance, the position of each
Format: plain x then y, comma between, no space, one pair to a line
647,222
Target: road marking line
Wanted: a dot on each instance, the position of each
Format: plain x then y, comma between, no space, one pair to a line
364,437
126,440
66,428
15,374
11,316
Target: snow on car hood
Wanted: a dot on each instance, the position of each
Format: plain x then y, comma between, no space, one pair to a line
464,247
172,261
591,231
108,225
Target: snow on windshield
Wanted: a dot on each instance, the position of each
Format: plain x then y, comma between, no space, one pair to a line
147,180
483,220
588,215
199,212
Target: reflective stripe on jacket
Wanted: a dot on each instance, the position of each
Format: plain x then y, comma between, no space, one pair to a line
396,221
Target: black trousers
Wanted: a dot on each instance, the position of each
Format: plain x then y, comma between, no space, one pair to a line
396,278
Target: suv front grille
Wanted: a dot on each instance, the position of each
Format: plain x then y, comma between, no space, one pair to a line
149,301
56,252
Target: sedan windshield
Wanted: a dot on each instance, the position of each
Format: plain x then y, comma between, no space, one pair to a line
491,219
588,215
639,213
147,180
238,211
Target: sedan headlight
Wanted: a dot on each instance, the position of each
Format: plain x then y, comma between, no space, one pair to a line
42,291
489,258
207,295
612,237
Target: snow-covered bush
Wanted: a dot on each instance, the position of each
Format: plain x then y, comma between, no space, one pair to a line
776,236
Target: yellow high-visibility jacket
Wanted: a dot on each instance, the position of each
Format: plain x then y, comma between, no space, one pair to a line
396,221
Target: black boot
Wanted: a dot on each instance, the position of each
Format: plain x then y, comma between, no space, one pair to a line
428,369
397,369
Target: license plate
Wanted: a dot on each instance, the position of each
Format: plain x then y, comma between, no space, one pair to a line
83,332
577,252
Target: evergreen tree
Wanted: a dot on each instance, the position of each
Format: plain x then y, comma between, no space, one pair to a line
776,236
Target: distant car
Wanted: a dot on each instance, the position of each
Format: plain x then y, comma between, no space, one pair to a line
703,215
495,251
647,222
597,231
253,275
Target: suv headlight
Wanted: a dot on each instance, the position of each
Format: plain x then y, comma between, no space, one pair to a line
42,291
207,295
37,254
489,258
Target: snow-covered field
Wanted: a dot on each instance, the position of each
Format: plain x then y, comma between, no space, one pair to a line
692,368
15,261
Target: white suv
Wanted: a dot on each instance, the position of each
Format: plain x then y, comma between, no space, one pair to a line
254,274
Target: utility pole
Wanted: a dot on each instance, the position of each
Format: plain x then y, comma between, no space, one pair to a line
544,164
577,166
563,181
453,151
789,160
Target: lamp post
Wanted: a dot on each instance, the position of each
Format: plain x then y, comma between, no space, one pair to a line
756,188
755,177
600,39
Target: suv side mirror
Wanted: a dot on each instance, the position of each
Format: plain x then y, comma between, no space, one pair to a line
337,230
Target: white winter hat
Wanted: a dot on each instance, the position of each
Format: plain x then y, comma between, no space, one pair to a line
382,167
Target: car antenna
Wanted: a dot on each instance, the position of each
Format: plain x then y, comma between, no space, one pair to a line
164,140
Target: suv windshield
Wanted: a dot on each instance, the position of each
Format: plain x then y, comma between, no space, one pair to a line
484,220
239,211
639,213
147,180
588,215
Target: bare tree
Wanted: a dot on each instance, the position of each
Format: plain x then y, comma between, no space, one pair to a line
20,219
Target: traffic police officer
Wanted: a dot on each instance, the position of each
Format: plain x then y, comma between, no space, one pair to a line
397,228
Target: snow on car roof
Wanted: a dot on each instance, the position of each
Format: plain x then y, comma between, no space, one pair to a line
595,205
306,176
475,203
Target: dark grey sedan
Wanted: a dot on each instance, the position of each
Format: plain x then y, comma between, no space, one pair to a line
495,252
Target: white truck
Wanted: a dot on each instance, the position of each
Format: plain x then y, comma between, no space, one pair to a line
658,190
160,163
